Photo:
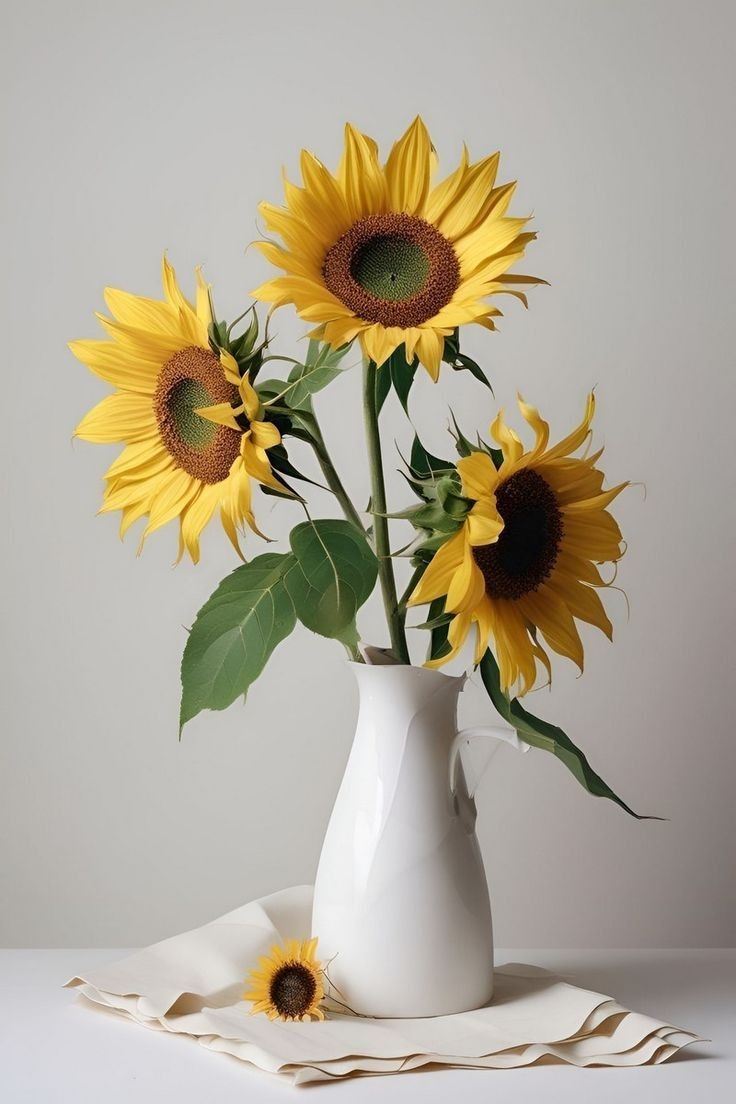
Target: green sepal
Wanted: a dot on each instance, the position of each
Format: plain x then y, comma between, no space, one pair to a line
248,356
548,737
437,622
462,444
423,465
279,460
439,645
460,362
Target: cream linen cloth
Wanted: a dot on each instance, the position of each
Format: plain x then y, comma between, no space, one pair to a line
192,984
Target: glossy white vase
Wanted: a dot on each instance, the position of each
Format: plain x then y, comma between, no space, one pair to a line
401,904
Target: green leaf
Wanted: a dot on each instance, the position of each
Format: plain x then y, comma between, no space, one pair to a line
466,363
333,573
234,634
548,737
402,374
382,379
321,367
452,346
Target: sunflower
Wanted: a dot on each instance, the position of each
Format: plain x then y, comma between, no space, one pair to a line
524,561
288,985
191,424
378,253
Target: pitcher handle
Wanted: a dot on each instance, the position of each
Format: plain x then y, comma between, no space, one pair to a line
463,739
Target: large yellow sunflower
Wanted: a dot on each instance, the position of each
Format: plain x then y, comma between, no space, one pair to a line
191,424
288,984
378,252
524,561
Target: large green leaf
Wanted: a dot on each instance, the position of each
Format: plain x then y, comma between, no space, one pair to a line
322,366
548,737
234,634
333,573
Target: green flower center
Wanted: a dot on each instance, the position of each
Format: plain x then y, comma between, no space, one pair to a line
184,398
192,378
391,268
394,269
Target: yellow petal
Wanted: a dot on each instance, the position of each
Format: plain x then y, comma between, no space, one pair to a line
360,175
457,634
437,578
230,367
575,439
255,460
554,620
467,585
511,446
265,434
540,427
146,314
429,349
483,616
408,168
196,516
119,417
172,497
460,215
484,524
223,414
120,367
478,474
202,309
251,402
443,194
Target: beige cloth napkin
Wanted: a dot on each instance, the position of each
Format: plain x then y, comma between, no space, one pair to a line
192,984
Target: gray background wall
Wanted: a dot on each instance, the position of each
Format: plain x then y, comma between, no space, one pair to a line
132,128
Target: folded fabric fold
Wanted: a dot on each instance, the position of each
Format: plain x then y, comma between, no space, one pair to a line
192,984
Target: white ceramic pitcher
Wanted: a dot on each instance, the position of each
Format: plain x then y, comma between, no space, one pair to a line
401,904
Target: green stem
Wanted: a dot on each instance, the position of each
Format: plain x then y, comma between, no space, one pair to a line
332,478
380,521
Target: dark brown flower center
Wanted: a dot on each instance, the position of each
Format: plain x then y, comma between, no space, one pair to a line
192,378
526,551
292,989
395,269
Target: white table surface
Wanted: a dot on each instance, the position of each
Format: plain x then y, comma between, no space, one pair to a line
55,1048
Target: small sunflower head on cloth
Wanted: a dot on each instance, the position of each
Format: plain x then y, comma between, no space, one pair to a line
193,426
523,564
380,253
288,983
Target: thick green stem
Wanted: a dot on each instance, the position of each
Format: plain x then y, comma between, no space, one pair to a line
380,521
332,478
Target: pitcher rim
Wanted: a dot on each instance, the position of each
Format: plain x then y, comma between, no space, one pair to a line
425,672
